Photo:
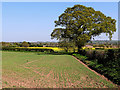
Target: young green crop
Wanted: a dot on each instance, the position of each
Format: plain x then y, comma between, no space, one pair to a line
51,71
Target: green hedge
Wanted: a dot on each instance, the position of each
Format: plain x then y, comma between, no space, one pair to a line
81,57
27,49
106,62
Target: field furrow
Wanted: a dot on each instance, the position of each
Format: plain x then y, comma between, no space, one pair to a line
29,70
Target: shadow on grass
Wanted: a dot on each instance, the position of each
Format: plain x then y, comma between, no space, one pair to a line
54,53
42,52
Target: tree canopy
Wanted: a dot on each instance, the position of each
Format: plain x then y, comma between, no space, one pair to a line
25,44
80,24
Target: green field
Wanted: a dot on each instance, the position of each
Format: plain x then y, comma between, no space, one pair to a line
29,70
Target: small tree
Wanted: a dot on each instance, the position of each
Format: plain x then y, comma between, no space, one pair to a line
6,44
80,24
25,44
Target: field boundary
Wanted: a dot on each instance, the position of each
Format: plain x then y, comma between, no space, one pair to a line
95,71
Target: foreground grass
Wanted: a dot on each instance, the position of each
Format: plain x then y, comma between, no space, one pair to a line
29,70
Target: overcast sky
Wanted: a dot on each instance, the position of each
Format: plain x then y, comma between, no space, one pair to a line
34,21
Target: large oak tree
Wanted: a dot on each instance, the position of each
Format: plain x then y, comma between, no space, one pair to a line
80,24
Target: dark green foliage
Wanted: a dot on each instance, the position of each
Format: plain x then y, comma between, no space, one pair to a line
82,52
93,54
80,24
104,62
65,45
81,57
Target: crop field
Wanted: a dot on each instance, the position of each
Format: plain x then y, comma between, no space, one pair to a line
29,70
53,48
43,49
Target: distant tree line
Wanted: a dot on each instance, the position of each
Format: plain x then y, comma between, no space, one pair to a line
29,44
104,43
65,45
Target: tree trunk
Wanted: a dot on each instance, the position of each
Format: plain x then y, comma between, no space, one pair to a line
74,50
79,48
66,49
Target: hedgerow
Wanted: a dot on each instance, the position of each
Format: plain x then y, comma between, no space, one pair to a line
106,62
27,49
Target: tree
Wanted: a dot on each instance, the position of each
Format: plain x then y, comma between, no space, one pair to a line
6,44
66,45
80,24
101,45
25,44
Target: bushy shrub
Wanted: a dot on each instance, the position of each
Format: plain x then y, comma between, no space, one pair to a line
89,54
81,57
106,62
94,55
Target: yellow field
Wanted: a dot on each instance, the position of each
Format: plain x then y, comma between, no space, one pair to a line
53,48
88,48
56,49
